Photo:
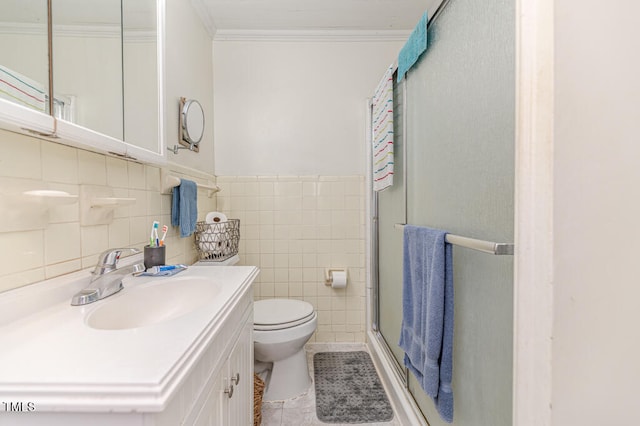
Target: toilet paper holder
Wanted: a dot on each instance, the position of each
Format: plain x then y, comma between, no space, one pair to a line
328,275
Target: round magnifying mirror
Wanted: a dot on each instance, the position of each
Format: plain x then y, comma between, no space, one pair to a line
192,122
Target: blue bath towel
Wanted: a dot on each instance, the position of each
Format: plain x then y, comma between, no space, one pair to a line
413,48
427,319
184,209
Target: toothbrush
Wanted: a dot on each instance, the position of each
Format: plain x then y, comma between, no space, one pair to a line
151,237
165,228
154,232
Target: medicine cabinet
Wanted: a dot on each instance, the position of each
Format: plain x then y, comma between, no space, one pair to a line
85,73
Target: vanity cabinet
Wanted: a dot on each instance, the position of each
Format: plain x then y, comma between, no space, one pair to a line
230,399
220,389
240,408
178,371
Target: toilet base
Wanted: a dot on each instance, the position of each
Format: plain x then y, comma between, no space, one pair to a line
289,378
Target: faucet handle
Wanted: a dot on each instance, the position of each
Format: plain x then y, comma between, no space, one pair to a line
108,259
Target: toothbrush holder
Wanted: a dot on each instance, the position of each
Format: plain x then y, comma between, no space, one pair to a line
154,256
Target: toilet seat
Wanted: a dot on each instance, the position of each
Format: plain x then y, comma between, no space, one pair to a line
279,314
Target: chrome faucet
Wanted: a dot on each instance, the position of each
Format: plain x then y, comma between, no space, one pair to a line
107,276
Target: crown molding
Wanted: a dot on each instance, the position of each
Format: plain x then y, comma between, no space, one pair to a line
312,35
207,20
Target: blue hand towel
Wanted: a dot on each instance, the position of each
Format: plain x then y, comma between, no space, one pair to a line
427,319
184,209
413,48
444,401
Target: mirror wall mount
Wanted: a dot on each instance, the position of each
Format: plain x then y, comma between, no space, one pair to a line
191,125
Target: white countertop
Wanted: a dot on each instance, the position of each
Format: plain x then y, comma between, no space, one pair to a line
50,356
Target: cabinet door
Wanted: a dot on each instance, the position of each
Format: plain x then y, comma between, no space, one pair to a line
24,65
241,376
213,411
87,64
230,401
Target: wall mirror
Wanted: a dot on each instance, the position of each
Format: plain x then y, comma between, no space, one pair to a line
24,57
140,65
87,64
105,67
191,123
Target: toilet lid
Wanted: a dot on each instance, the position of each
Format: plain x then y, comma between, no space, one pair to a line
276,314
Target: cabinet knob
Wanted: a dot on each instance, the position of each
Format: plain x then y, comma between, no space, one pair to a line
229,390
236,379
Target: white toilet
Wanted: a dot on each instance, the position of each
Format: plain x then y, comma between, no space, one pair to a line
281,327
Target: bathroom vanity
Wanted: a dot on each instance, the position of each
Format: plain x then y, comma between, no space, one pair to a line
163,351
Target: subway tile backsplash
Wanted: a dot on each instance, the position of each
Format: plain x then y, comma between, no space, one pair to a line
64,245
293,228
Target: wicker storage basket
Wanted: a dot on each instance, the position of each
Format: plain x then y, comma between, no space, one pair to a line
216,242
258,390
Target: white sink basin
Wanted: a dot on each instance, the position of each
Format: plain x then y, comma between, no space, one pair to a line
128,354
153,302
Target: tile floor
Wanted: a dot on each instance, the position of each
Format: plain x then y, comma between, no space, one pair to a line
301,411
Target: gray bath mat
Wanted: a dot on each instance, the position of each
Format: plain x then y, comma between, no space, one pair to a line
348,389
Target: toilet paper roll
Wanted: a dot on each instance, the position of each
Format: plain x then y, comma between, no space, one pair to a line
339,279
215,217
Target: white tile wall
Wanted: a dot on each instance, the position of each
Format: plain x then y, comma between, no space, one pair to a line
64,245
293,227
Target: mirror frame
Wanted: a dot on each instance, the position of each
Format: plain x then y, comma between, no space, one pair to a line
189,138
23,120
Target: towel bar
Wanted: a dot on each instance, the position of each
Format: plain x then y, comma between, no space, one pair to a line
169,181
471,243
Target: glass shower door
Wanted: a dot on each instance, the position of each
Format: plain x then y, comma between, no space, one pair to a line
391,209
458,147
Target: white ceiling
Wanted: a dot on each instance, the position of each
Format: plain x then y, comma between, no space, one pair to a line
313,15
